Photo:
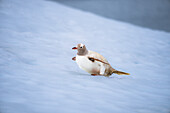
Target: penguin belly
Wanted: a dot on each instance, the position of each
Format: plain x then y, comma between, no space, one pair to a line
85,64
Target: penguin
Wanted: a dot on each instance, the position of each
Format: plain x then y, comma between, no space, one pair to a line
94,63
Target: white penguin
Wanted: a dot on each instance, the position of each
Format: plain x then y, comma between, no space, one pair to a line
93,62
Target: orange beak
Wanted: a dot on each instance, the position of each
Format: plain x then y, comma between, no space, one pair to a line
74,48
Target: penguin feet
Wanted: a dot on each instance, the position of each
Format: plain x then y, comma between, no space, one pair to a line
95,75
74,58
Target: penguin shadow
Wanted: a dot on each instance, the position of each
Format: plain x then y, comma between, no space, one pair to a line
76,73
120,77
87,75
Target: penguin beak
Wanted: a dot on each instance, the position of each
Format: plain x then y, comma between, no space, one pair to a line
74,48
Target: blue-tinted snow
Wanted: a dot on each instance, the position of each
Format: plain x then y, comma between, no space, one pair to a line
37,74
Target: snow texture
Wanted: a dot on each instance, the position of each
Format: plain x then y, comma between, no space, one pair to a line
37,74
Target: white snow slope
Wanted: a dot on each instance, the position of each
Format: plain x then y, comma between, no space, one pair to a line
37,74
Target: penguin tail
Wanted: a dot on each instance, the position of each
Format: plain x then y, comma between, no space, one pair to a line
119,72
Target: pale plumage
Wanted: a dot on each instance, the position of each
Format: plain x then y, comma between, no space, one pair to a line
87,65
93,62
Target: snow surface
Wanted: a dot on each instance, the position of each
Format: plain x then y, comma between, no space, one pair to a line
37,74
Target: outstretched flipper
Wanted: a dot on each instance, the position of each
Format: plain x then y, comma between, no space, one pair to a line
95,59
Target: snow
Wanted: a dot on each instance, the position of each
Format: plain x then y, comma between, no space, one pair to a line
37,74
